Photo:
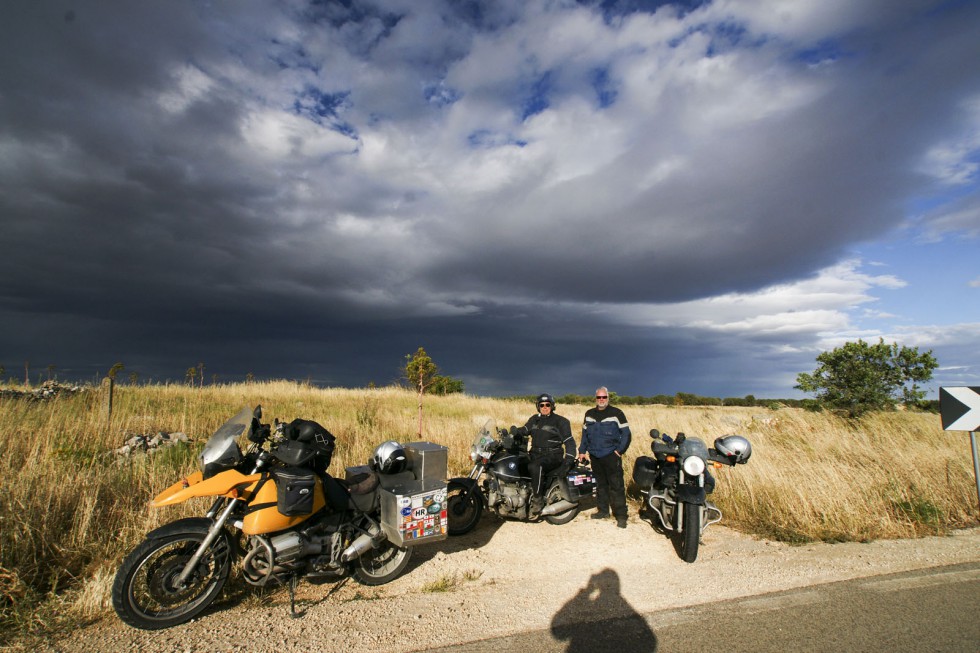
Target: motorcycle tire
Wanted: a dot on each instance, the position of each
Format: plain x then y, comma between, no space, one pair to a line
464,506
143,593
691,535
382,565
554,495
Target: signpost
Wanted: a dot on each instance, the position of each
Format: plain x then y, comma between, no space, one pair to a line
959,408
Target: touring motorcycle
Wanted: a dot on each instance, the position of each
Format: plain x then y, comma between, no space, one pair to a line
676,482
502,458
277,511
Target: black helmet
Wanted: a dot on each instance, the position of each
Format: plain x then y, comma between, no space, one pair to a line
545,398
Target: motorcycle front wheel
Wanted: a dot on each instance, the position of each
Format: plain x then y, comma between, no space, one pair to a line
382,565
554,495
691,535
145,593
464,506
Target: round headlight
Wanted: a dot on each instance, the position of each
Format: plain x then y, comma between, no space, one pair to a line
693,466
474,455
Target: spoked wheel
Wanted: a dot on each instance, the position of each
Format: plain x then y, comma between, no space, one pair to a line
464,506
691,536
554,495
146,594
382,565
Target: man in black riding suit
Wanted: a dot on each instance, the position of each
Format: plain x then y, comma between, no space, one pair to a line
552,445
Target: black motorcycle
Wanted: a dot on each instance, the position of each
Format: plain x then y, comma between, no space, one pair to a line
676,482
501,458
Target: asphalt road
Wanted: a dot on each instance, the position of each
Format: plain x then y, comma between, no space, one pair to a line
935,609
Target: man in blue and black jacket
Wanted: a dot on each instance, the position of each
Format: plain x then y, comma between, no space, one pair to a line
606,437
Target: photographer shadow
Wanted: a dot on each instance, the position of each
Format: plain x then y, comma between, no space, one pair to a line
599,619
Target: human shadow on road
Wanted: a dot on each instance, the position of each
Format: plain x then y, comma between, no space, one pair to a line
599,619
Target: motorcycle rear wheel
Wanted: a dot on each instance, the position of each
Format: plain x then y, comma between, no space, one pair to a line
554,495
464,506
691,535
382,565
145,594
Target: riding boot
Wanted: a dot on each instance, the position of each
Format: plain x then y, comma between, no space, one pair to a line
537,503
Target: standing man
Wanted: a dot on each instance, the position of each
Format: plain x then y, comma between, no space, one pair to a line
606,437
551,445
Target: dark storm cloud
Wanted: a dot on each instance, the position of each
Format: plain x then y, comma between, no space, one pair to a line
315,189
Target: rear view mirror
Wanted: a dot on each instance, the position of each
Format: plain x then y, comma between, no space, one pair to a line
654,433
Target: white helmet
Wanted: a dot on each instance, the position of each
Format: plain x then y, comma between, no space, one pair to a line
389,458
734,447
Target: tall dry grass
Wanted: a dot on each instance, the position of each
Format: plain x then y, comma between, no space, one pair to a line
69,511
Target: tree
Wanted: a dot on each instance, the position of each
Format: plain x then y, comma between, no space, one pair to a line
420,372
114,370
190,375
859,376
446,385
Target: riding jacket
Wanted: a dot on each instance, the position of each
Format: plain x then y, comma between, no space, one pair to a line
604,432
549,435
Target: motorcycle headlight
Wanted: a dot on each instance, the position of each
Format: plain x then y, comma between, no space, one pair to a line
693,466
474,455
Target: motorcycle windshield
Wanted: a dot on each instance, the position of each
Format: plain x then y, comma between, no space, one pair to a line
693,447
485,439
222,446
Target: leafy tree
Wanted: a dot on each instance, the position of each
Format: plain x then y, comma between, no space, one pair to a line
446,385
190,375
420,372
859,376
114,370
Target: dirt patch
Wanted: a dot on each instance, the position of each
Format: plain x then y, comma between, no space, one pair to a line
509,577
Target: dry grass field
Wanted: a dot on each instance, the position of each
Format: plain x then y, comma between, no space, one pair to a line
70,510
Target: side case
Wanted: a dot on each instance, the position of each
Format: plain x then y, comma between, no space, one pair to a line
646,471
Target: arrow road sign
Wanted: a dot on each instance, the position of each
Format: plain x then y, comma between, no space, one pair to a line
959,408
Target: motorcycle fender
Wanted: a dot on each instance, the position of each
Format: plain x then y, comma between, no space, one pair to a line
471,487
186,526
226,484
689,494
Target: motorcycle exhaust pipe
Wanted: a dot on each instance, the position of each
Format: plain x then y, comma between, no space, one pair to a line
557,508
361,545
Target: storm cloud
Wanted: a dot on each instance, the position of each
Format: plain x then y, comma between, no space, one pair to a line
650,196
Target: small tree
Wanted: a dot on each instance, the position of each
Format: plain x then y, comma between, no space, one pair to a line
114,370
859,376
446,385
190,375
420,371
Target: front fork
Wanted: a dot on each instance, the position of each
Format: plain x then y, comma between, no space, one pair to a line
216,526
209,539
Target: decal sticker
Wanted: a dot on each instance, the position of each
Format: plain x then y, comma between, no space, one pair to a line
407,510
404,502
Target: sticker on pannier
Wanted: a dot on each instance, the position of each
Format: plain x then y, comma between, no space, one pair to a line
294,491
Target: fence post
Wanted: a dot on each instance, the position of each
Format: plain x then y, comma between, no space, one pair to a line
107,388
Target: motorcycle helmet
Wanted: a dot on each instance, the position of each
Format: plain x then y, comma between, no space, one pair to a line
735,447
389,458
545,398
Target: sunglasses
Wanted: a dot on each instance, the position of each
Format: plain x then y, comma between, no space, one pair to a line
544,405
602,396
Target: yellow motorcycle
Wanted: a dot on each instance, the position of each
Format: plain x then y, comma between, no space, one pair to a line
277,511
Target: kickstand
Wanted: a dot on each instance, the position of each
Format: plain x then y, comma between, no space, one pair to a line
293,582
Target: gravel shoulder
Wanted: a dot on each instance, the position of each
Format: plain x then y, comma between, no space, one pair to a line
509,577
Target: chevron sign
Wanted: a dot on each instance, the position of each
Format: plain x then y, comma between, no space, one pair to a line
959,408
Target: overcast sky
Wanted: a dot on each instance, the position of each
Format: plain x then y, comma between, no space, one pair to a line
547,196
